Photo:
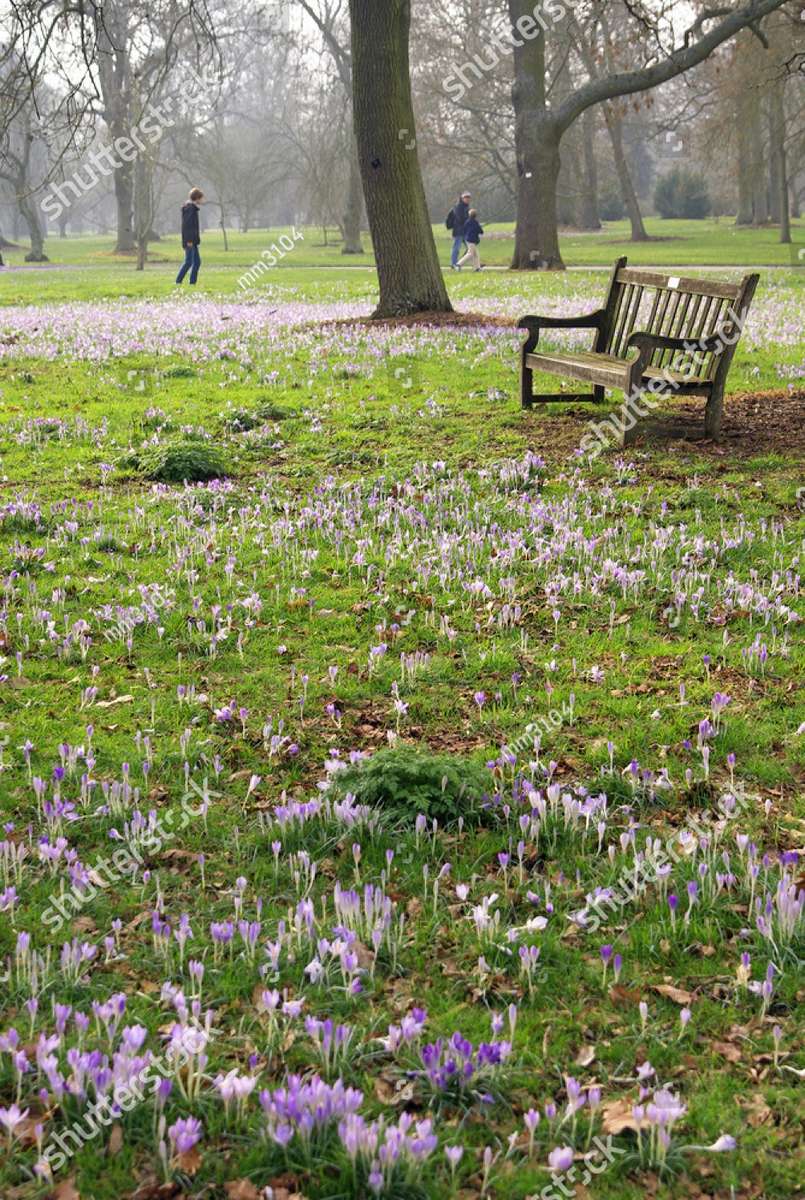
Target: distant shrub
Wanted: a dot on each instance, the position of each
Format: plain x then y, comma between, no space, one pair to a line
404,782
610,204
682,194
175,462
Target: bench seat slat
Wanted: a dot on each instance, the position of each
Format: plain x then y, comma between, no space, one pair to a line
605,369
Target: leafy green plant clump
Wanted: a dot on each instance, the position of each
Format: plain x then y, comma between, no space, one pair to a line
405,782
177,462
240,420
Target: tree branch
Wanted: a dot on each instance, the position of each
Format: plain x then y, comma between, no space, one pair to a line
598,90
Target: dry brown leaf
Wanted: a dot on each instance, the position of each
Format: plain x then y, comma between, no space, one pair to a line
384,1090
727,1050
84,924
115,1140
758,1111
190,1161
585,1056
617,1116
678,995
241,1189
66,1190
621,995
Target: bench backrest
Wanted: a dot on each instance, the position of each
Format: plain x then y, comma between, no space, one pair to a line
674,306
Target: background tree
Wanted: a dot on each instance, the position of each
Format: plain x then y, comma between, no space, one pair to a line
539,127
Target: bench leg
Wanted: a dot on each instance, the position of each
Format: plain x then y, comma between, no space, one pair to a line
629,419
598,394
526,384
712,413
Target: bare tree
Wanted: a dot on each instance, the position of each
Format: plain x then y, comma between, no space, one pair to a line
539,127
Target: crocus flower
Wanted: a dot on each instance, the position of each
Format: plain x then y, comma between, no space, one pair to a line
560,1158
184,1134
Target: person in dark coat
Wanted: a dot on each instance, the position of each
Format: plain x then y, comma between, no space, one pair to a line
459,214
473,232
191,236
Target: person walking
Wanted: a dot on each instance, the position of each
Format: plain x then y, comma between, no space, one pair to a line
191,237
473,232
456,221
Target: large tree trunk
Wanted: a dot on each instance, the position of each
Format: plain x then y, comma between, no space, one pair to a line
615,130
779,172
536,142
588,217
351,221
408,268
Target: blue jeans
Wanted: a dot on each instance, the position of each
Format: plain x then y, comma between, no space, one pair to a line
458,243
192,262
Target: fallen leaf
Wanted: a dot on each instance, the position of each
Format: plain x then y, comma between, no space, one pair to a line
617,1116
678,995
585,1056
727,1050
621,995
241,1189
115,1140
66,1190
112,703
190,1161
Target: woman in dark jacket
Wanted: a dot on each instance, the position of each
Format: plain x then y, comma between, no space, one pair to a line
191,237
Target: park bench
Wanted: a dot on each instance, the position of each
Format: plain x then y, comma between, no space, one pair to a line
663,334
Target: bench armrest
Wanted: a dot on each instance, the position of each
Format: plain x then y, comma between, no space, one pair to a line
534,324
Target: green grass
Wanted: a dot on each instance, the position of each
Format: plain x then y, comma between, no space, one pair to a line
362,510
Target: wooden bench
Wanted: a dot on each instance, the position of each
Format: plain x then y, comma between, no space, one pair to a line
660,333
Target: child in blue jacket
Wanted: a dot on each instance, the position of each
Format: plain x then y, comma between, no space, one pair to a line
473,232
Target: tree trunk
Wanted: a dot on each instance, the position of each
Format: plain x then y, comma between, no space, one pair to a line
536,144
760,200
124,197
408,268
30,214
615,129
588,207
744,165
779,180
63,222
353,211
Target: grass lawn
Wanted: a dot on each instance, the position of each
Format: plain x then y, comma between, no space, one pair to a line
592,899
